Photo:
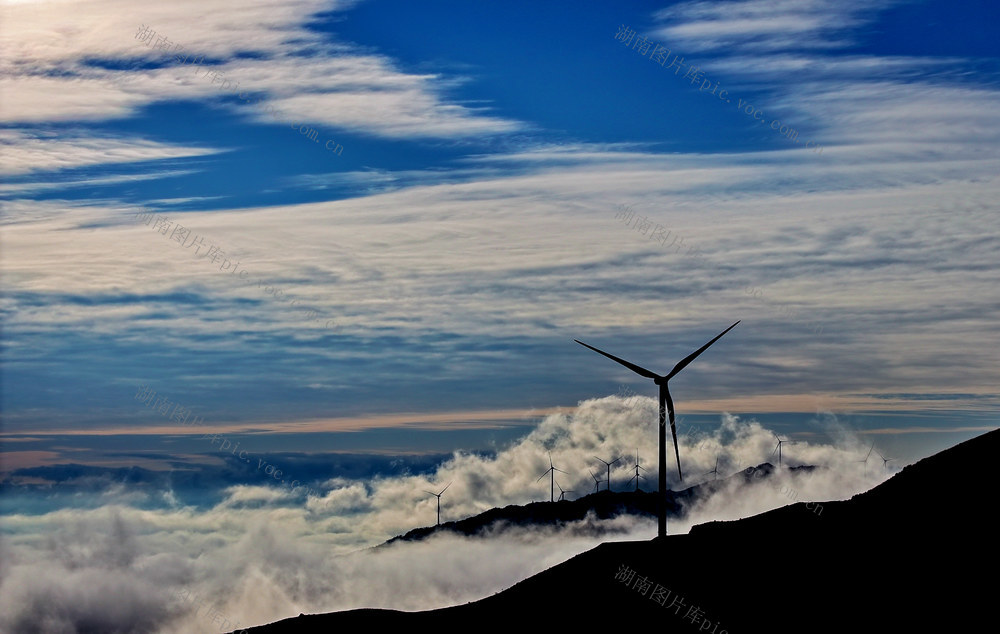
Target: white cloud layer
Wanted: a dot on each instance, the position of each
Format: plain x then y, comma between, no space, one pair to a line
265,554
25,152
884,239
765,25
878,240
49,76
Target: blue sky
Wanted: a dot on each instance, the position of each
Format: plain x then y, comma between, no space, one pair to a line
467,234
261,294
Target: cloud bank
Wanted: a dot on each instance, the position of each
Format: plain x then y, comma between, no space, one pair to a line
265,553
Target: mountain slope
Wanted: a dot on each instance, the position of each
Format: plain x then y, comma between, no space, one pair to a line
917,553
601,505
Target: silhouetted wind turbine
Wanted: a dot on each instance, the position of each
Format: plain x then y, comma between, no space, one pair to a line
716,469
438,496
597,482
552,483
666,406
637,474
562,494
777,447
885,461
867,457
609,468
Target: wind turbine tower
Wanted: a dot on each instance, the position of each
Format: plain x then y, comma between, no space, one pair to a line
562,493
609,468
777,448
716,469
637,474
438,496
868,456
666,407
885,461
597,482
552,483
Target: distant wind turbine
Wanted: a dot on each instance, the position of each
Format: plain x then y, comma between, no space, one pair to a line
666,406
609,468
885,461
777,448
716,469
562,493
438,496
552,484
597,482
637,474
867,457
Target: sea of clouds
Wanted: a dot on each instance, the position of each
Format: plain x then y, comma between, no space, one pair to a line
147,562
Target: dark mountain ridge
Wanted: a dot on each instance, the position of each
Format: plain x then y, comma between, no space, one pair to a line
918,553
601,505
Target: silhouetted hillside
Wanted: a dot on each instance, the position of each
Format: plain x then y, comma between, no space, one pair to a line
918,553
602,505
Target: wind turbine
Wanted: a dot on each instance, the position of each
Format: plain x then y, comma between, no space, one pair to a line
777,447
562,494
637,474
666,406
552,483
597,482
438,496
868,456
609,468
716,469
885,461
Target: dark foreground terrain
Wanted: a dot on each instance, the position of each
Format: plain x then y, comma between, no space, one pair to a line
601,506
918,553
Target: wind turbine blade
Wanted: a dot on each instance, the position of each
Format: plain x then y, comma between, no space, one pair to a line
559,470
641,371
444,489
870,450
429,493
544,474
691,357
673,428
615,460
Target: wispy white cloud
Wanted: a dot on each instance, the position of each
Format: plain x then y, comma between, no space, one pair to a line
27,152
778,49
765,25
886,236
51,72
801,230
